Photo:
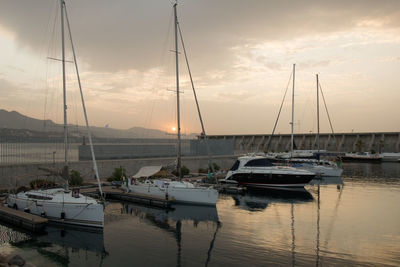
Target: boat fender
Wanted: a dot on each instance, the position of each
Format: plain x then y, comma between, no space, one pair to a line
15,206
62,215
43,214
166,196
27,210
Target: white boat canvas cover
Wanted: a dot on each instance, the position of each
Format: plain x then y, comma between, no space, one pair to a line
147,171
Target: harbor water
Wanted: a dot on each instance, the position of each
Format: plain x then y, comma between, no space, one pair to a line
349,222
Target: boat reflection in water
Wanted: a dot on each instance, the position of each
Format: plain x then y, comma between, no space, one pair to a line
257,200
64,244
74,237
179,213
171,221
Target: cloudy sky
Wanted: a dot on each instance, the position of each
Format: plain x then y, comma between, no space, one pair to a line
241,55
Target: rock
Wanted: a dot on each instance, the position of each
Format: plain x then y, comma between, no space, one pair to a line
16,260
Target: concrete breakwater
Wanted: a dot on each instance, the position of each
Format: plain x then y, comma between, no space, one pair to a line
340,142
16,175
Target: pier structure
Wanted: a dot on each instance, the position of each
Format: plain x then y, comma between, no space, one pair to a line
22,219
339,142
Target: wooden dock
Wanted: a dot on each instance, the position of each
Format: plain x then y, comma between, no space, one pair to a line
22,219
119,194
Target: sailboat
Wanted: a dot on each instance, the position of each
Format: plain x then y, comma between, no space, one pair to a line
61,204
259,171
177,191
322,168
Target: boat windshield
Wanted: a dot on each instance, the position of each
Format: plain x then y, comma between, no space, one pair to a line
259,163
235,166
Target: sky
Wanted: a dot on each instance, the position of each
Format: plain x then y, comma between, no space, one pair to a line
241,55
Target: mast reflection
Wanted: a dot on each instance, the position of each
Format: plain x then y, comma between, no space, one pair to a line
171,221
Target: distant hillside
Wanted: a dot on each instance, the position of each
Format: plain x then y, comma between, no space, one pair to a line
15,120
135,132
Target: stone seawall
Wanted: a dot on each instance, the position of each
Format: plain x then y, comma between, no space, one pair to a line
340,142
12,176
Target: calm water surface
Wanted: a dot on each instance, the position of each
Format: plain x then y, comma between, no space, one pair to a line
354,223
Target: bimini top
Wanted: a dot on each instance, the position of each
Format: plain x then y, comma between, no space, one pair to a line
147,171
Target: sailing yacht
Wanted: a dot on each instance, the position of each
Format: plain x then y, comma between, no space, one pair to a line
322,168
306,161
61,204
177,191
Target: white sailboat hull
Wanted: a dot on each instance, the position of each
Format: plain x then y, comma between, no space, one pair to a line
180,193
84,211
321,168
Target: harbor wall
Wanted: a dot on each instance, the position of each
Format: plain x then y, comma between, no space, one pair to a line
341,142
156,150
16,175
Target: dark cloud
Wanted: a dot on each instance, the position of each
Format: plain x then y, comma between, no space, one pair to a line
127,34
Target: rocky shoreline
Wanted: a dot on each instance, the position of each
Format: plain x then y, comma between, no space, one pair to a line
13,260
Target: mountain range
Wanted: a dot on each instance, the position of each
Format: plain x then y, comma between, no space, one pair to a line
21,123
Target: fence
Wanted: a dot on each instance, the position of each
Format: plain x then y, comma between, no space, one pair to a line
14,150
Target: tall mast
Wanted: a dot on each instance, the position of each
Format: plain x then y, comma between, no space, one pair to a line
203,131
65,170
84,108
177,94
318,115
292,138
